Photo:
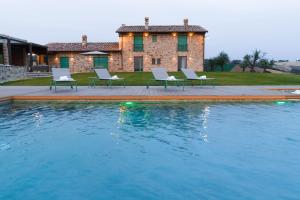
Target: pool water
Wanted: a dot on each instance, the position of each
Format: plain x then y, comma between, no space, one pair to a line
150,151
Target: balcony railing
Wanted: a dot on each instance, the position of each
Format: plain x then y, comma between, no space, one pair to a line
138,47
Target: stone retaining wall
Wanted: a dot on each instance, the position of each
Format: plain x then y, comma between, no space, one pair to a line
11,73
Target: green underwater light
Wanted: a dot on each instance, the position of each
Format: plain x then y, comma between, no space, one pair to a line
281,102
128,103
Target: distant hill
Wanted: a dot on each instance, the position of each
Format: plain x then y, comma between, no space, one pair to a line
292,67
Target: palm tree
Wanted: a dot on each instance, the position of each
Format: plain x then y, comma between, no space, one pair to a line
222,59
257,55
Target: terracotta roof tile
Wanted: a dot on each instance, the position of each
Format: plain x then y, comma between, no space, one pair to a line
96,46
162,29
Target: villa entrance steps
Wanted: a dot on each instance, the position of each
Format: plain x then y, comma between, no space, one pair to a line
38,74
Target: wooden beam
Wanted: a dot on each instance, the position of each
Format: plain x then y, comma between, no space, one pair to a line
9,52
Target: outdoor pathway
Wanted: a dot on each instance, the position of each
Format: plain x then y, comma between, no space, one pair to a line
141,91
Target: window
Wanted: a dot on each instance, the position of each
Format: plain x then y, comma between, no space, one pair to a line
153,61
138,43
182,42
64,62
156,61
154,38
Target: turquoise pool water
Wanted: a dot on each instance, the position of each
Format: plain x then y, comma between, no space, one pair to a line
150,151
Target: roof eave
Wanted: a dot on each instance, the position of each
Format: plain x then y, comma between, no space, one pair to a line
126,32
58,51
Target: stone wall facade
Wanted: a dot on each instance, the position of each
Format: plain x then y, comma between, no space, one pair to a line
77,63
115,62
11,73
164,49
81,63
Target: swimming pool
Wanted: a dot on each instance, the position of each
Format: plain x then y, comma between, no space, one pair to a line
150,151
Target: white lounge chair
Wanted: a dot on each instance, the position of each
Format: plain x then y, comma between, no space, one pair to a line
62,77
104,75
160,74
296,92
192,76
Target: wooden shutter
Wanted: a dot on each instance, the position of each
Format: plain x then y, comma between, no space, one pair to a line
182,42
64,62
101,62
138,43
154,38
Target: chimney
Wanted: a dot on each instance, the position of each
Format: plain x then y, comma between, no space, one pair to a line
186,22
147,23
84,40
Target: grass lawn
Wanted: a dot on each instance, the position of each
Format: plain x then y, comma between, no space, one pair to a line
141,78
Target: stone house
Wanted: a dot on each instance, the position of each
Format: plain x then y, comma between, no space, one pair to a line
139,49
69,55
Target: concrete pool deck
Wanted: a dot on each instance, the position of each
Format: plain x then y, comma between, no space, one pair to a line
140,93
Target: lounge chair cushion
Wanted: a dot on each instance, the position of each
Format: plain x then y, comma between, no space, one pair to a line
103,74
61,74
191,75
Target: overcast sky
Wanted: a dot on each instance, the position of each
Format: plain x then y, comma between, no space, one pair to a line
235,26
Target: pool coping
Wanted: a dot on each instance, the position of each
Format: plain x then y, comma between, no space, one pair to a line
5,99
283,89
154,98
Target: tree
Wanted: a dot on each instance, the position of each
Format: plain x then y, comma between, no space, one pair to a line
246,62
222,59
265,63
211,63
257,55
253,60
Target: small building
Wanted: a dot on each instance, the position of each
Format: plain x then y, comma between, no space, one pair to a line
139,49
70,55
19,52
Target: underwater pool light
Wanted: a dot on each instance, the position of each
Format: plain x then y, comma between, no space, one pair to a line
128,103
281,102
